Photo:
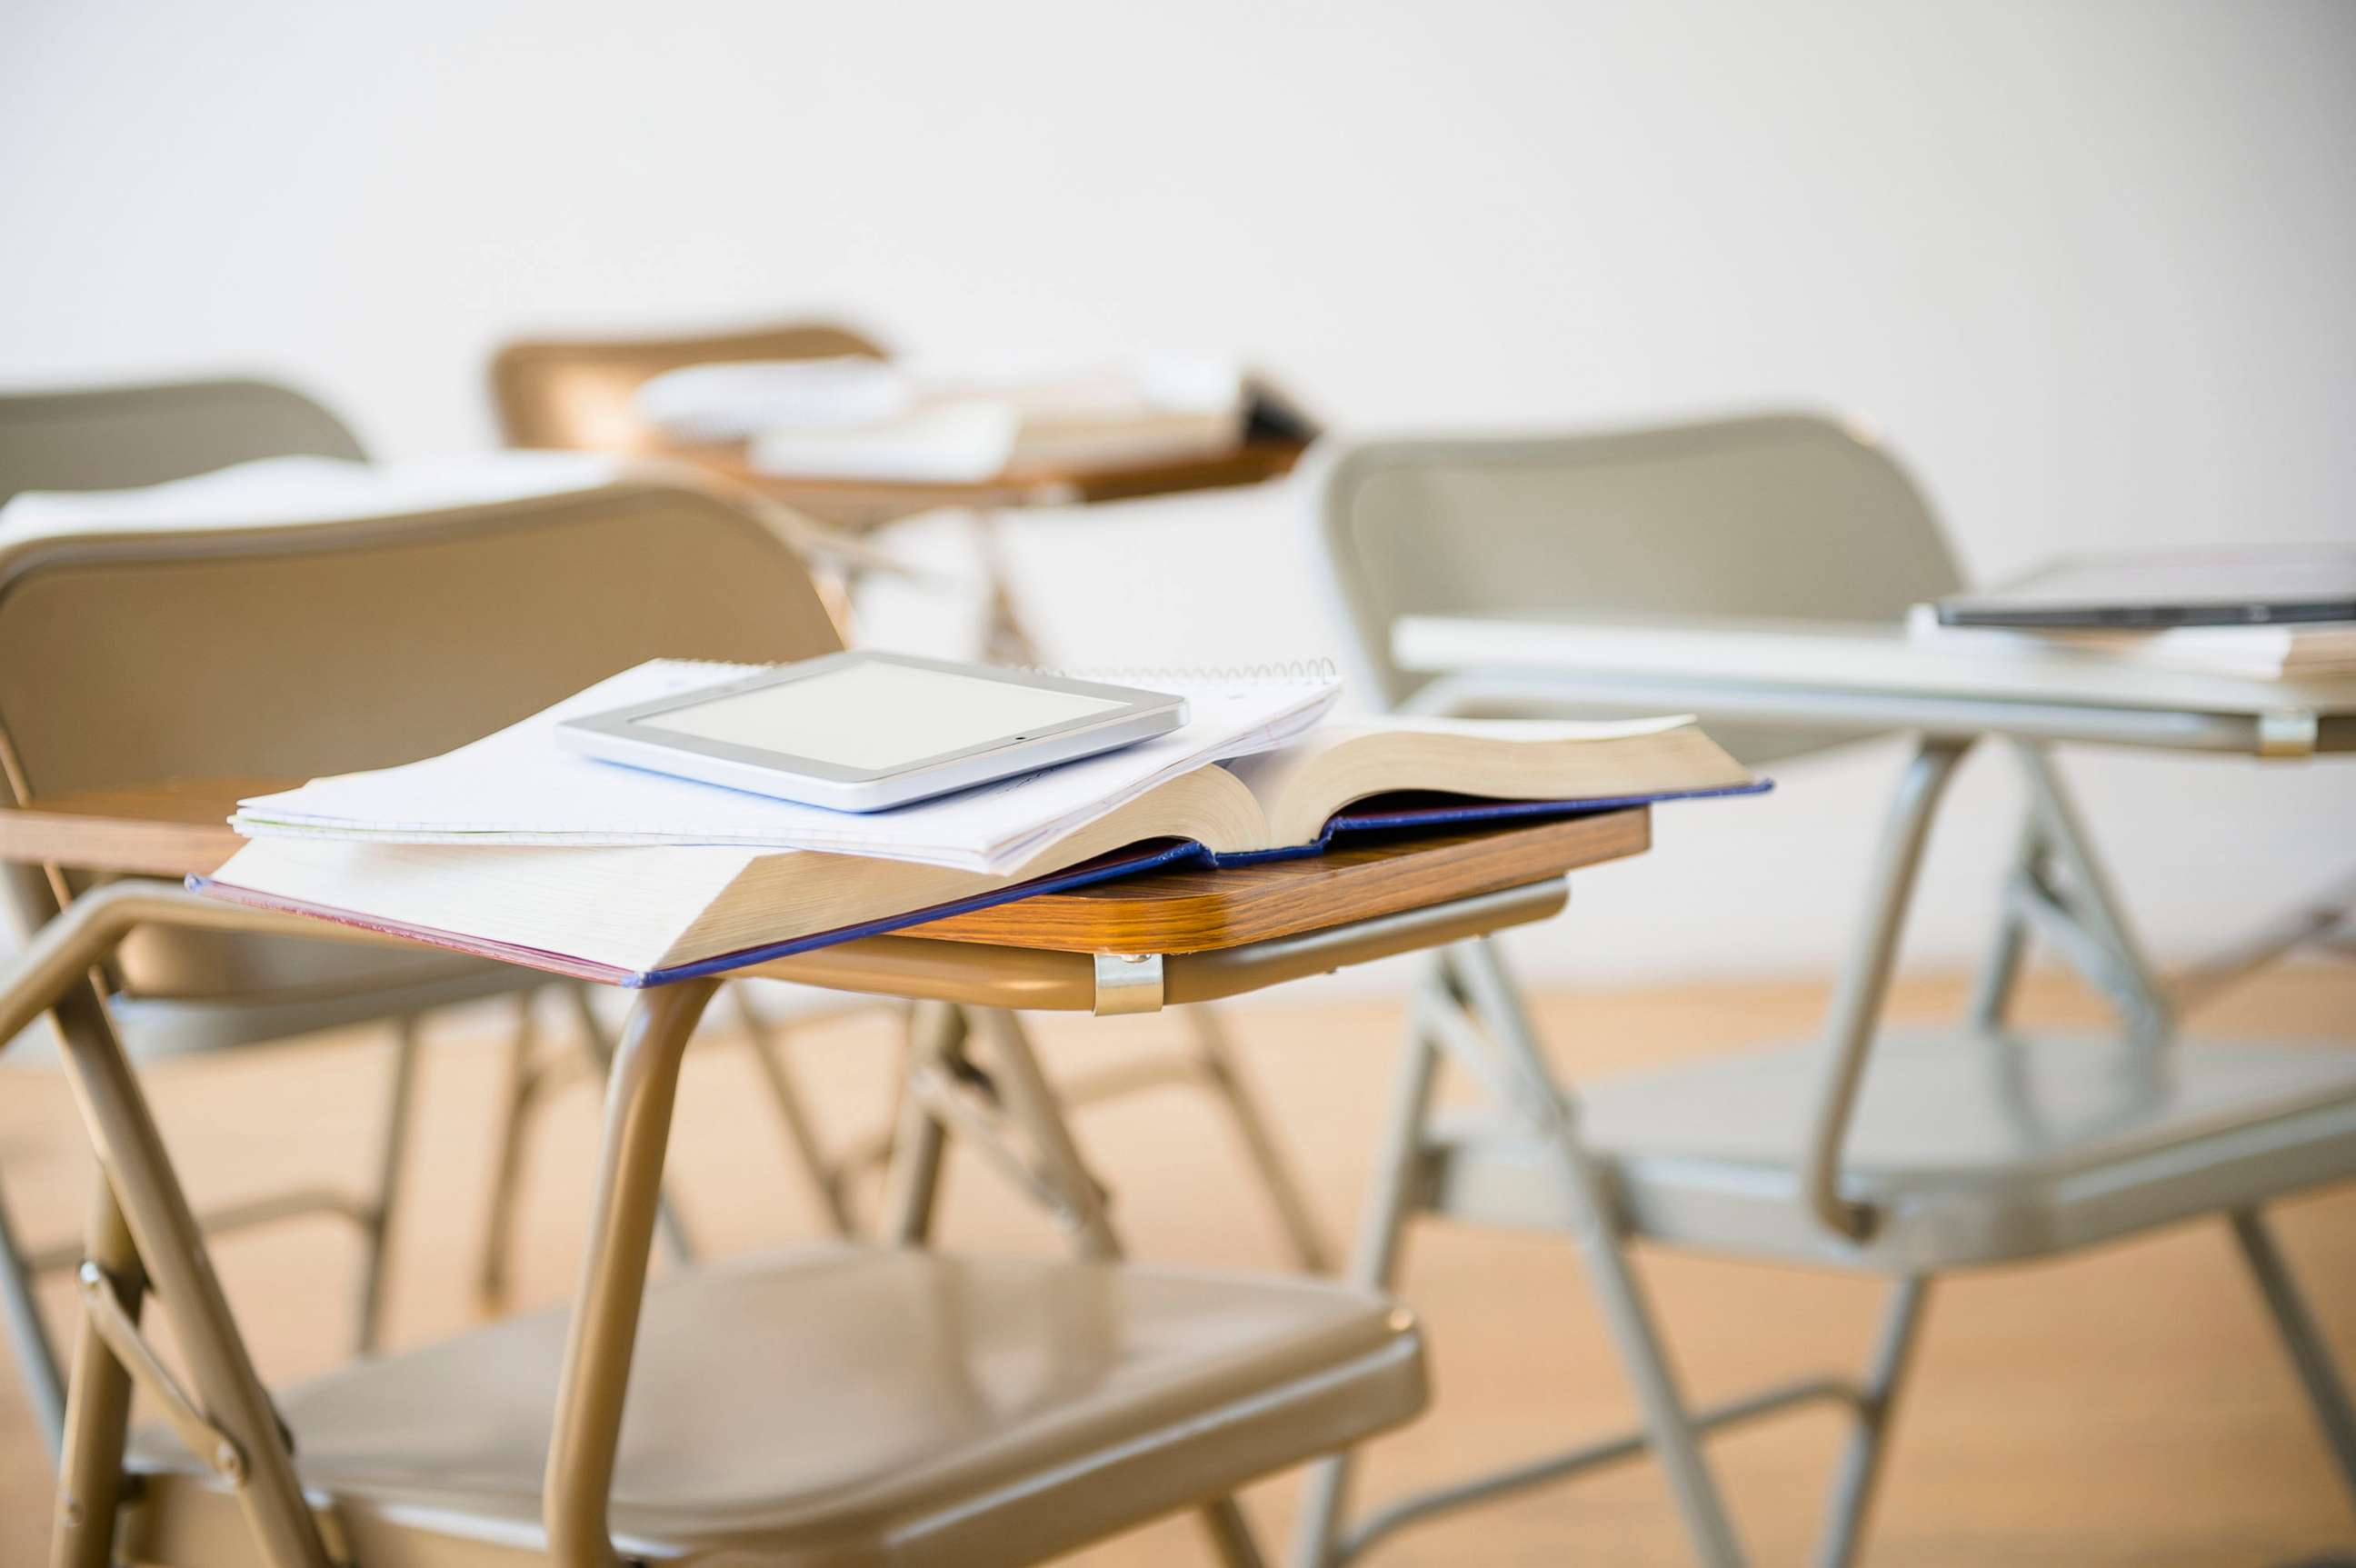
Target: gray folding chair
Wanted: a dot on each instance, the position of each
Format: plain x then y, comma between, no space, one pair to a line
1941,1150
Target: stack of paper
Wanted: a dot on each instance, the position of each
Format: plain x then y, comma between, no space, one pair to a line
284,491
865,419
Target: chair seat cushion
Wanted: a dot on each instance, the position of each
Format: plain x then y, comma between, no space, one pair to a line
1975,1148
859,1404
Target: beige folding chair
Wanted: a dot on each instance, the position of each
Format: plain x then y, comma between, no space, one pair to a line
851,1405
577,393
1964,1146
179,993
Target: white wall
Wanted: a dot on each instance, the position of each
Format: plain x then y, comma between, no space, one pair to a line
2088,264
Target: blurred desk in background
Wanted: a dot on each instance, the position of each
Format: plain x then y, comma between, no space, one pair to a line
862,504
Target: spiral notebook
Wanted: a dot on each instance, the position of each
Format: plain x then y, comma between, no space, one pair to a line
508,849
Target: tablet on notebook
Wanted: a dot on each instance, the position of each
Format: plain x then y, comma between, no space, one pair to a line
862,732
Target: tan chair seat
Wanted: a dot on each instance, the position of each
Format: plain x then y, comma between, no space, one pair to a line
1975,1151
857,1405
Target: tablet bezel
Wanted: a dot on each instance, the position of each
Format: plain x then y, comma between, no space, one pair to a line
1138,715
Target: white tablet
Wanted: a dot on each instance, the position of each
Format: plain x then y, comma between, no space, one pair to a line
861,731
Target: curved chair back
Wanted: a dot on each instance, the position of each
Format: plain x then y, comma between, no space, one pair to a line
1785,515
295,651
576,393
115,437
300,650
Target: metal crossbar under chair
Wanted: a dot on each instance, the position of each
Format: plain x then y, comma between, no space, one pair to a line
1896,1153
577,393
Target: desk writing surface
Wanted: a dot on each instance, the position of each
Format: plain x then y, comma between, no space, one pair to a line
180,828
861,501
1835,656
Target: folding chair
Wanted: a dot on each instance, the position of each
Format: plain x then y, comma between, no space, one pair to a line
176,993
575,393
268,707
851,1405
1904,1154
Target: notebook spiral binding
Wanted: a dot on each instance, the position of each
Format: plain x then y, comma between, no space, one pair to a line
1315,670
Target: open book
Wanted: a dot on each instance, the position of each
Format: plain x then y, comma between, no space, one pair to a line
641,916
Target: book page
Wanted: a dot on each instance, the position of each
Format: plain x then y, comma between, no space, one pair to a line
1300,786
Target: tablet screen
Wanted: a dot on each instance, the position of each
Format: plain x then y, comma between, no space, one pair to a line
876,716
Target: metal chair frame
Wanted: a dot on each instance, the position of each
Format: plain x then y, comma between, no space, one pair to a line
144,1242
531,380
1467,1011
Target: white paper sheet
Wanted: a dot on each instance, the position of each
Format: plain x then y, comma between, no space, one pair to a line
279,491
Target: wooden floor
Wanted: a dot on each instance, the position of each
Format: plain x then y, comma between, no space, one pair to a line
2128,1407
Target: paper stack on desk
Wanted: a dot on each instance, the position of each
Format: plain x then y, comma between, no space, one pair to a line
872,420
276,492
515,849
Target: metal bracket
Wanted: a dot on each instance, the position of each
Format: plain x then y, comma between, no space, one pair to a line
2287,732
104,1309
1128,983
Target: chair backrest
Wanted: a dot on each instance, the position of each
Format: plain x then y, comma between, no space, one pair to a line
1785,515
576,393
292,650
115,437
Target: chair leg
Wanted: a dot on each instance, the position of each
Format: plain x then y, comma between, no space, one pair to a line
599,1045
516,1104
1004,638
1230,1533
1031,1105
801,1133
1666,1418
91,1479
225,1386
1374,1263
2302,1338
1861,1464
392,1167
36,1357
1999,973
1216,1053
912,1180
